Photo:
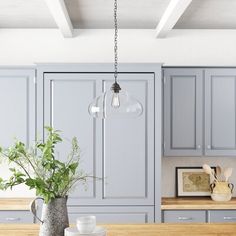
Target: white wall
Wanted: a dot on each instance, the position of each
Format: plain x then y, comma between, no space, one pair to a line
169,164
181,47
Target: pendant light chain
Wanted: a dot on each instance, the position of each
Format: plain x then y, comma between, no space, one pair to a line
115,42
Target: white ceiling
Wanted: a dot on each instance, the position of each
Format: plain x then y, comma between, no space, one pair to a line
25,14
131,13
201,14
209,14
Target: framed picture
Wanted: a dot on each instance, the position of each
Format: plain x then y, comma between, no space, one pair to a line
192,181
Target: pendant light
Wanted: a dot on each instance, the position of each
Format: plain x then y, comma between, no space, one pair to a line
115,103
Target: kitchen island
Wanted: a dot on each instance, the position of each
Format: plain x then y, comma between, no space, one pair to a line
136,230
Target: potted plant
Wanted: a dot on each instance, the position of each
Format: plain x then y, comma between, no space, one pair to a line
39,169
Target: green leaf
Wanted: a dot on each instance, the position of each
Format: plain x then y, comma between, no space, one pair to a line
39,169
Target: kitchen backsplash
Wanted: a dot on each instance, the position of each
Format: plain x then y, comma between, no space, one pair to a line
169,164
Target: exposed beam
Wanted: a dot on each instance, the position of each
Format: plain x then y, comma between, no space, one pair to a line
170,17
61,16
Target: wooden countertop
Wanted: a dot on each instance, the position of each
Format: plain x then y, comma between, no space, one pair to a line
195,203
11,204
189,203
137,230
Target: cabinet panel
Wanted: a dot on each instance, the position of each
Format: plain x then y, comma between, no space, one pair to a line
222,216
183,100
109,147
129,158
220,109
17,120
17,101
117,215
184,216
66,107
183,112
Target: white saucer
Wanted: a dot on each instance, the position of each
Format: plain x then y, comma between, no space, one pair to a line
73,231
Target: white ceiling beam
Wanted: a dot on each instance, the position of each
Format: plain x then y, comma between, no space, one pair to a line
170,17
60,14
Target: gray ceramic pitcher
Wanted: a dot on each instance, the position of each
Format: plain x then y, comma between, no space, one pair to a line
54,217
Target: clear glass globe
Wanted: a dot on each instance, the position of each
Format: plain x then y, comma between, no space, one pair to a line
115,105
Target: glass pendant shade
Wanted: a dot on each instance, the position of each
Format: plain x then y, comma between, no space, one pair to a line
115,105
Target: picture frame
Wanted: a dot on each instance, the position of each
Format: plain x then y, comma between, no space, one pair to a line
192,182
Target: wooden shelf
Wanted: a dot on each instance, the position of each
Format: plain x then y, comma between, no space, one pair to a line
196,203
15,204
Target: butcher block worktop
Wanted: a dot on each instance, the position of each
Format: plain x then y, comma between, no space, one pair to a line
18,204
196,203
137,230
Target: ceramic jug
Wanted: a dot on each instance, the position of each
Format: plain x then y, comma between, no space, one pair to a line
221,191
54,217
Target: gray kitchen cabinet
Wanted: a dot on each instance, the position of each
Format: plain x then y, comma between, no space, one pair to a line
16,217
220,216
109,147
124,152
220,112
17,102
184,216
199,112
117,215
183,107
198,216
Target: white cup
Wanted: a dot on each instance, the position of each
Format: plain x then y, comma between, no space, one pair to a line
86,224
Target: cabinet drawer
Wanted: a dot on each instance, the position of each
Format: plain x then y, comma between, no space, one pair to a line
184,216
107,214
16,217
222,216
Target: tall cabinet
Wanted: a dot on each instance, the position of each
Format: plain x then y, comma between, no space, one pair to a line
120,151
17,121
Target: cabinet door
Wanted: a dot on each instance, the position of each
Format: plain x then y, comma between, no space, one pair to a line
117,215
183,112
66,101
220,112
17,102
121,151
17,120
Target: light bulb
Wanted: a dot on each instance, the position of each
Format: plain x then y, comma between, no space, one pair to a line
115,102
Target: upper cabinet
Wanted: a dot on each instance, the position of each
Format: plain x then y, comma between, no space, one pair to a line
220,112
17,102
183,90
199,112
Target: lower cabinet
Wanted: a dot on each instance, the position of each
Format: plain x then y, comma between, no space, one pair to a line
16,217
119,214
184,216
198,216
221,216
